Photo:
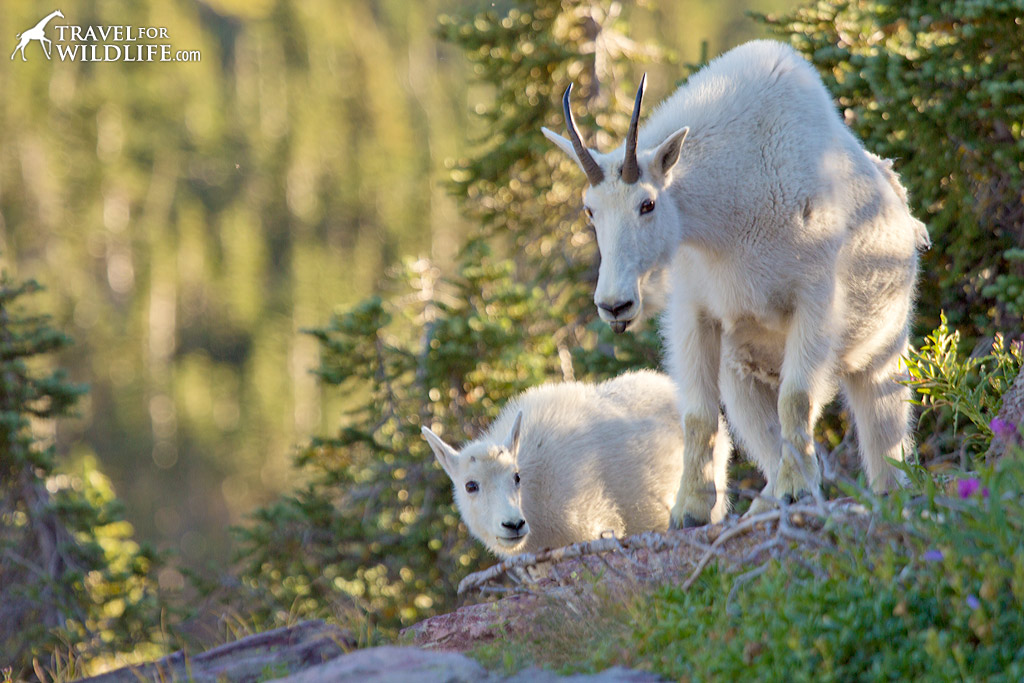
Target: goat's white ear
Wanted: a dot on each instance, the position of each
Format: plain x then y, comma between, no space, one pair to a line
512,442
444,453
563,144
667,154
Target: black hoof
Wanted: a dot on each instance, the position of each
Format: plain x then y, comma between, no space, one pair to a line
689,522
788,499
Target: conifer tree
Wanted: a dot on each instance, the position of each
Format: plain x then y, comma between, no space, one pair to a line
72,579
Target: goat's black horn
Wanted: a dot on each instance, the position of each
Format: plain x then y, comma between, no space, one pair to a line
630,167
594,173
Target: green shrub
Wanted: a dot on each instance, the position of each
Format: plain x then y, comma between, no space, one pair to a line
939,597
960,395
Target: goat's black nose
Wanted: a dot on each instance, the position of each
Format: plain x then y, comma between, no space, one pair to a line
514,526
617,308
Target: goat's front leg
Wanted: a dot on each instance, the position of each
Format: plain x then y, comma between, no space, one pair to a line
807,383
694,345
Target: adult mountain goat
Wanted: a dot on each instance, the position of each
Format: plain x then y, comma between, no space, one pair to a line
565,463
792,258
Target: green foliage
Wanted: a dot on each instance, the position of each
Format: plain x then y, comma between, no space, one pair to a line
939,87
960,396
72,578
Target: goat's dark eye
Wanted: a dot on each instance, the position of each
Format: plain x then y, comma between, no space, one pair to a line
646,206
515,478
590,214
472,487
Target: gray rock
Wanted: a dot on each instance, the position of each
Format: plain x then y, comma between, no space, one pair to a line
390,664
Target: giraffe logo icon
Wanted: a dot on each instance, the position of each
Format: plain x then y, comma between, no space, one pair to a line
37,32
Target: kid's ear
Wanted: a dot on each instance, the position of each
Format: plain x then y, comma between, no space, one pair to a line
512,442
445,454
667,154
562,143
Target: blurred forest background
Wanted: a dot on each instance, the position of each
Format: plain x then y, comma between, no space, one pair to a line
189,221
343,223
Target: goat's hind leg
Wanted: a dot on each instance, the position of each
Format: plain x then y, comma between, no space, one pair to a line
882,413
806,384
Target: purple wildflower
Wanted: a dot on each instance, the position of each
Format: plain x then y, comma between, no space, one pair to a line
933,555
1002,428
973,602
965,488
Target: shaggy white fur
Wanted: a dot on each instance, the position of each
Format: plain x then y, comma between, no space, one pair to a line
792,258
590,459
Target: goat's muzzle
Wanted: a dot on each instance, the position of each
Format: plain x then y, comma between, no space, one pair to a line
615,314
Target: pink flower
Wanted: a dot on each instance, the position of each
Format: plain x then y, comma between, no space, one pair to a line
1002,429
965,488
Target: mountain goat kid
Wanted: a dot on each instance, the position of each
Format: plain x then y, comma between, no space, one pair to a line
566,463
792,258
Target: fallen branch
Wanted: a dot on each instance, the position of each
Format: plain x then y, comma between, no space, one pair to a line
745,525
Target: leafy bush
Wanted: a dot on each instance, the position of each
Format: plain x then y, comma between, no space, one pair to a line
960,396
73,580
939,87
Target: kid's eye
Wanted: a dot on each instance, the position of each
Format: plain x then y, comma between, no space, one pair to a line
590,214
472,487
515,478
646,206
